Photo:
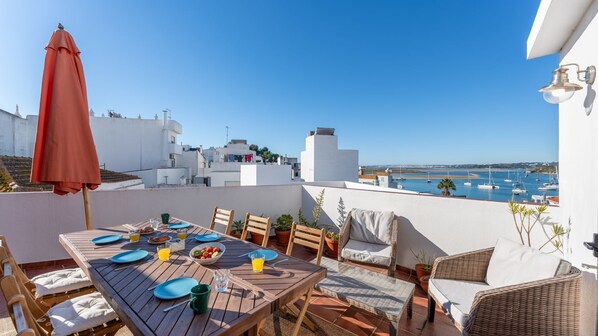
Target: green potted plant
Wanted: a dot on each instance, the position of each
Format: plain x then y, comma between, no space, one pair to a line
282,228
332,237
316,213
237,228
424,265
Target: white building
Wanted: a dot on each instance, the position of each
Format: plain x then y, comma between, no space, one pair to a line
132,145
17,134
222,165
260,174
323,161
570,28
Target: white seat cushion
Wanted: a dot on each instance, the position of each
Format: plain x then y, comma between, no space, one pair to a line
371,226
60,281
512,263
367,252
456,297
80,313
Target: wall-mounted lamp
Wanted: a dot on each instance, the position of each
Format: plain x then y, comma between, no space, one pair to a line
560,90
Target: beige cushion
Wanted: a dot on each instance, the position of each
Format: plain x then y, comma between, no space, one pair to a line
512,263
371,226
60,281
80,313
367,252
456,297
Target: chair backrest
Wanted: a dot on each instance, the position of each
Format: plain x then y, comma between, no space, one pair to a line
375,227
308,237
223,217
20,315
10,267
16,270
259,225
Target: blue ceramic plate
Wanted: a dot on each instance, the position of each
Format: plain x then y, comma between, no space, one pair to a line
207,237
269,254
175,288
129,256
106,239
175,226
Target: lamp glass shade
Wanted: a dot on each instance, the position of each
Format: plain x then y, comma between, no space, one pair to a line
557,96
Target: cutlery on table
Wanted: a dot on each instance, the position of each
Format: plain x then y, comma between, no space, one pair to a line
242,255
176,305
153,287
273,264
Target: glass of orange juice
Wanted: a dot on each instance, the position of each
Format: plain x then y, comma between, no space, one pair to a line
134,236
182,234
163,253
257,262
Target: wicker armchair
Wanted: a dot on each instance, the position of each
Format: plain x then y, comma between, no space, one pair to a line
543,307
370,237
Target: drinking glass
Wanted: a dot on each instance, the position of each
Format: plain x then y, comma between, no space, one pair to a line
182,234
163,253
257,262
134,236
154,223
221,280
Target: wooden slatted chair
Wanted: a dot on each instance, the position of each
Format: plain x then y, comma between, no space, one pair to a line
223,217
257,225
84,286
28,318
312,238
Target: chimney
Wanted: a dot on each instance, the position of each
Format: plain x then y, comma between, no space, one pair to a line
165,111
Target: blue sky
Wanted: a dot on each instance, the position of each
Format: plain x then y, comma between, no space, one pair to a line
405,82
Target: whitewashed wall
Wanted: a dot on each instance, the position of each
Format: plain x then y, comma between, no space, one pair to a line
32,221
578,161
17,135
260,174
323,161
438,225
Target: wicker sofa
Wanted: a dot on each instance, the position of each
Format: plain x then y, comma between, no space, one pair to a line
547,306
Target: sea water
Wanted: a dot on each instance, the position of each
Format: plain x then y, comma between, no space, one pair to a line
531,183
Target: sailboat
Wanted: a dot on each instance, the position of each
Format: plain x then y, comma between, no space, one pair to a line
400,178
508,179
429,181
519,187
552,185
490,185
468,183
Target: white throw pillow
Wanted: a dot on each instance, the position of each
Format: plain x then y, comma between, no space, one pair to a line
512,263
372,226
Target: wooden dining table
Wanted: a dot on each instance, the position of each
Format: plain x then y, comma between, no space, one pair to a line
251,297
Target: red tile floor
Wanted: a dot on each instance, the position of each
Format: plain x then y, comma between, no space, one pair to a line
352,319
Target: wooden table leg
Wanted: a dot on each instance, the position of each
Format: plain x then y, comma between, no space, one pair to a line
302,313
253,331
291,308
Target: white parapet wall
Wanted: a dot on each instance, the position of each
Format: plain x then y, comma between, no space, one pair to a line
439,225
32,221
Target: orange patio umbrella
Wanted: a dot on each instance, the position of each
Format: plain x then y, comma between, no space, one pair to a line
65,154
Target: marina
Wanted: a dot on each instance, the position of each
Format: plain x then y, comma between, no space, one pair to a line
526,188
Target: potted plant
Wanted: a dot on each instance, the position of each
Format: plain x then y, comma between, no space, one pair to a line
282,228
316,213
237,228
424,264
332,237
423,282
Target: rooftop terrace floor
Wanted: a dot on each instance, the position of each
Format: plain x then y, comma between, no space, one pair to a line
353,321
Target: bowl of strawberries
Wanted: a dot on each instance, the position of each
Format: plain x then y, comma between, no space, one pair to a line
208,253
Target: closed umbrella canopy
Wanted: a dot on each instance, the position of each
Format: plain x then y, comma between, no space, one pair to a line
65,154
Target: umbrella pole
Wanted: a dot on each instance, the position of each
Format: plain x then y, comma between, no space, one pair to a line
87,208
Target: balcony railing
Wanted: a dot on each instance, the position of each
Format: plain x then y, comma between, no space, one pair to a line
439,225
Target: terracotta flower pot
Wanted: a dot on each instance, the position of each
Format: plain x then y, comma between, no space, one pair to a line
257,238
423,282
419,270
236,235
282,237
331,247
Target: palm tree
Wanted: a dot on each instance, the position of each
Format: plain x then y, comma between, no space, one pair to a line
446,185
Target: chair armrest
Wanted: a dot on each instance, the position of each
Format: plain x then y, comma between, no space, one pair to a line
469,266
543,307
344,233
